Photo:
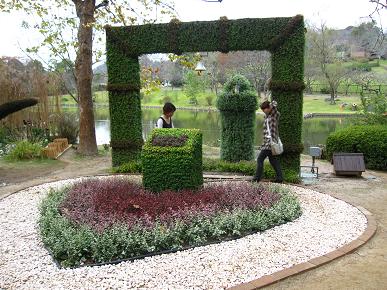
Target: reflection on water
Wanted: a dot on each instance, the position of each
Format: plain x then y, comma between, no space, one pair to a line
102,131
315,130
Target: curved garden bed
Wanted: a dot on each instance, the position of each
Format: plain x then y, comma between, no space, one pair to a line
326,224
105,220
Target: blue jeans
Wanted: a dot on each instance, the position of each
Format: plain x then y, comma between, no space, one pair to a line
274,161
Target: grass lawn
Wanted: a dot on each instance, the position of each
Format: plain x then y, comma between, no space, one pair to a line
157,98
19,171
312,103
317,104
31,163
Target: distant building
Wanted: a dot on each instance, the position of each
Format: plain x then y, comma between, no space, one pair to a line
358,52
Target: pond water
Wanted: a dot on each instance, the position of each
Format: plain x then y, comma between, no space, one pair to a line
315,130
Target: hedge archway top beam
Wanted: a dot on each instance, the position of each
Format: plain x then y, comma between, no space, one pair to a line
225,35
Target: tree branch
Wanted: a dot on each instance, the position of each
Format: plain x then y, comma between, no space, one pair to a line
78,7
104,3
379,4
57,73
14,106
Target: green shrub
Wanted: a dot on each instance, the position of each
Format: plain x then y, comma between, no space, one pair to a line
67,126
373,103
369,140
4,135
217,165
325,90
173,167
129,167
194,85
237,106
39,135
369,119
364,66
24,150
74,245
247,168
209,100
166,99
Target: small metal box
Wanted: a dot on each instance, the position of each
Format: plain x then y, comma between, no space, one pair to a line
315,151
348,163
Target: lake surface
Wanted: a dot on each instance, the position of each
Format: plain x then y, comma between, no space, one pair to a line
315,130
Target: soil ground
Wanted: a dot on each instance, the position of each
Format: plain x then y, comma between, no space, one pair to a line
19,175
366,268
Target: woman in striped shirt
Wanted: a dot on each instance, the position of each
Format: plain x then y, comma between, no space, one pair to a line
270,122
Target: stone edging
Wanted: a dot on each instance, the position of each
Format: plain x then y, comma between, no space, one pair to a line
319,261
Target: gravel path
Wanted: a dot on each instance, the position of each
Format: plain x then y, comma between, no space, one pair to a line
326,224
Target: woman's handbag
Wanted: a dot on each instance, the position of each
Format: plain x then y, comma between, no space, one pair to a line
276,148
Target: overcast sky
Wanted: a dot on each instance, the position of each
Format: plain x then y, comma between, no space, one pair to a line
336,13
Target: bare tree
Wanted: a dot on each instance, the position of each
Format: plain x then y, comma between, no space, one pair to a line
256,68
369,37
312,69
66,35
376,18
254,65
324,54
213,69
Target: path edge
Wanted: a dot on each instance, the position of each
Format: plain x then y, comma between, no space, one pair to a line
319,261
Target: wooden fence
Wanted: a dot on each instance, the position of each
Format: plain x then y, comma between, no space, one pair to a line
352,89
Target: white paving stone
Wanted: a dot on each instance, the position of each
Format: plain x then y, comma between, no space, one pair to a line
325,225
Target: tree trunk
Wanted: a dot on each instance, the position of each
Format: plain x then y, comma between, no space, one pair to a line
84,74
331,86
333,102
308,85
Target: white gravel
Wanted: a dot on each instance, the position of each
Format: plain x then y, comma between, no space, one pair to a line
326,224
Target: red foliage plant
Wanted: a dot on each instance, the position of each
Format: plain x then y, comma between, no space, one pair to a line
169,141
102,203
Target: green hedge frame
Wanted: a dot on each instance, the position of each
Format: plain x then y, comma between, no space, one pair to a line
283,37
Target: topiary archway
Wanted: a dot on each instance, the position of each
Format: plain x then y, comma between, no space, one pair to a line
283,37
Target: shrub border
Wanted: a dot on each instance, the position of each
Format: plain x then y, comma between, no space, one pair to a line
291,176
281,202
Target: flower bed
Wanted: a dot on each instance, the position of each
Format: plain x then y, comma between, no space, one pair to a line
106,220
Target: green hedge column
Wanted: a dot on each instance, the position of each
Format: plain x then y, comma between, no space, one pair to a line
287,84
237,106
173,167
124,104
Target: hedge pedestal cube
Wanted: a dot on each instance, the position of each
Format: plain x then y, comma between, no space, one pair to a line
172,159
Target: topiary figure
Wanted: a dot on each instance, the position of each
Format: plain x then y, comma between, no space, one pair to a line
237,105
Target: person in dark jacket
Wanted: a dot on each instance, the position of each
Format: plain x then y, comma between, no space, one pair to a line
270,122
165,121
